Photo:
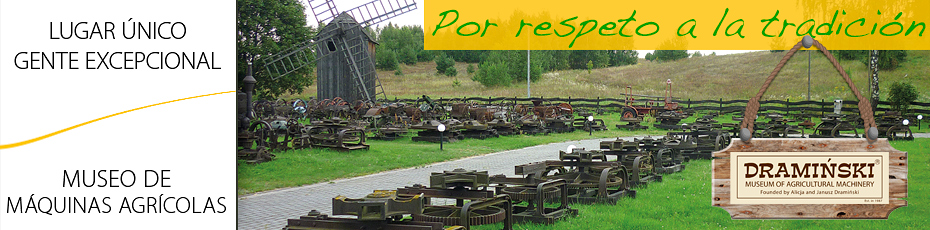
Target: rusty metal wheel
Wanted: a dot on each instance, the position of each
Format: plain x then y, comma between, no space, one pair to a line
628,113
301,109
263,133
451,215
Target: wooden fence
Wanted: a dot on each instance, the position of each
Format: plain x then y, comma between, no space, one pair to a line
720,105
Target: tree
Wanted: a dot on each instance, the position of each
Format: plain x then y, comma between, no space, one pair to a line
264,28
650,57
623,57
670,55
492,73
503,67
443,62
451,71
386,60
696,54
901,95
407,56
579,59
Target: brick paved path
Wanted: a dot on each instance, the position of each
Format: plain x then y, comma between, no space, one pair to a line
270,210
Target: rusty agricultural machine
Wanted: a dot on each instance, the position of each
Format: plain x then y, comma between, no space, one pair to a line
535,192
591,178
252,136
640,164
835,125
381,209
587,122
778,127
893,126
460,185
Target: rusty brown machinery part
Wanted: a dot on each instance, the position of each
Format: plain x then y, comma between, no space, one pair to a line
450,215
520,193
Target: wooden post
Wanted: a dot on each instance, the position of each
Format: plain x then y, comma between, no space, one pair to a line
598,105
787,107
821,107
689,103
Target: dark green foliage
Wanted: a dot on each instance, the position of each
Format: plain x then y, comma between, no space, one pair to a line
901,94
386,59
469,56
470,69
426,55
623,57
399,38
670,55
650,57
579,59
398,72
891,59
407,56
503,67
443,62
266,27
493,74
451,71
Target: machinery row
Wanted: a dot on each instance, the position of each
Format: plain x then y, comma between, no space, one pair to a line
264,127
540,193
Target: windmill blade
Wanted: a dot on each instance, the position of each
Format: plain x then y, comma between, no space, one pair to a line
323,11
296,57
378,11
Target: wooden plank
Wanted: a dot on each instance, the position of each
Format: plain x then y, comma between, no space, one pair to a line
897,184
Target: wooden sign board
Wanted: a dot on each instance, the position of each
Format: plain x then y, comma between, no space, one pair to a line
809,178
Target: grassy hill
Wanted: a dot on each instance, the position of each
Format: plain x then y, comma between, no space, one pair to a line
735,76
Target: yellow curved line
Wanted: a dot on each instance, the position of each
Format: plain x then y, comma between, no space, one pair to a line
21,143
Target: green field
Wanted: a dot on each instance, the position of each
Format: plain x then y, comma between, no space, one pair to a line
730,77
683,201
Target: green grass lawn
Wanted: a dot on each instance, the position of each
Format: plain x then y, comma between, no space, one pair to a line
683,201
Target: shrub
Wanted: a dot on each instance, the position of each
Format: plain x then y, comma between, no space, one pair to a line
398,72
670,55
443,62
470,69
492,74
451,71
901,95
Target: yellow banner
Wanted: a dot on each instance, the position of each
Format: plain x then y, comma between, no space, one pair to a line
675,25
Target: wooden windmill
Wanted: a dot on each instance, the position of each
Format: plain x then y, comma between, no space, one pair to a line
342,51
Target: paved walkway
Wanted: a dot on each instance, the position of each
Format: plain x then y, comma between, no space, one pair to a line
270,210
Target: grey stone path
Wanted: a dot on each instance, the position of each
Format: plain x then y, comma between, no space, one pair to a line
270,210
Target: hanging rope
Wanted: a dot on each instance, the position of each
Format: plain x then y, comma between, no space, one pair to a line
752,107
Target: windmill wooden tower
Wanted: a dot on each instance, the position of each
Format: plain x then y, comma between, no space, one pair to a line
342,50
